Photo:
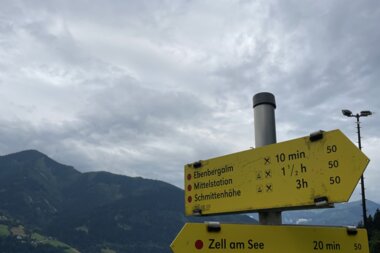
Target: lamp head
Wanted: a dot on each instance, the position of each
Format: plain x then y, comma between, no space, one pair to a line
365,113
347,113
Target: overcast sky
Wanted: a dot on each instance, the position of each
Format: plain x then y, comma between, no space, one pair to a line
141,88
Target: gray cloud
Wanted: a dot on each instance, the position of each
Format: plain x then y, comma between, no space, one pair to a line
142,88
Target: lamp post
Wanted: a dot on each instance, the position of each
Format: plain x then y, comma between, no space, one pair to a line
348,113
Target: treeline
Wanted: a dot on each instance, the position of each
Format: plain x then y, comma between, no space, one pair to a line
373,228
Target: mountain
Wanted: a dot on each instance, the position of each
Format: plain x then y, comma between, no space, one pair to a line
342,214
92,212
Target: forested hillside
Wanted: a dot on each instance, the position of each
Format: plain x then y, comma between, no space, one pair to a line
93,212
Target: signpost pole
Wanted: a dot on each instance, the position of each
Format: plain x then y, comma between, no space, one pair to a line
264,105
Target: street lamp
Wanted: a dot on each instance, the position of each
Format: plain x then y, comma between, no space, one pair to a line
348,113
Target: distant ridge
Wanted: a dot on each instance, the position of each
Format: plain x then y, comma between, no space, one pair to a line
344,214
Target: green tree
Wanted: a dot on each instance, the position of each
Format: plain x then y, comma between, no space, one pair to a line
373,228
376,219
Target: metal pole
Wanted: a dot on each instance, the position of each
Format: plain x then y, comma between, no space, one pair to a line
364,206
264,105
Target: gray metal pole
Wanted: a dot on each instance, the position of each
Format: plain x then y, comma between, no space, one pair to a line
364,206
264,105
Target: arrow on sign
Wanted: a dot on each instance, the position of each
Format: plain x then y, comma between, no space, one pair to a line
203,238
308,171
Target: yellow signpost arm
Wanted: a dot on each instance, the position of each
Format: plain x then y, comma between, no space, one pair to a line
213,238
319,169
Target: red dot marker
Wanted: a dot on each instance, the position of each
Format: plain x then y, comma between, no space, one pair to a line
189,199
188,176
189,187
198,244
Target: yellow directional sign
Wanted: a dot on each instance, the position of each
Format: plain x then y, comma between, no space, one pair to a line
201,238
316,169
